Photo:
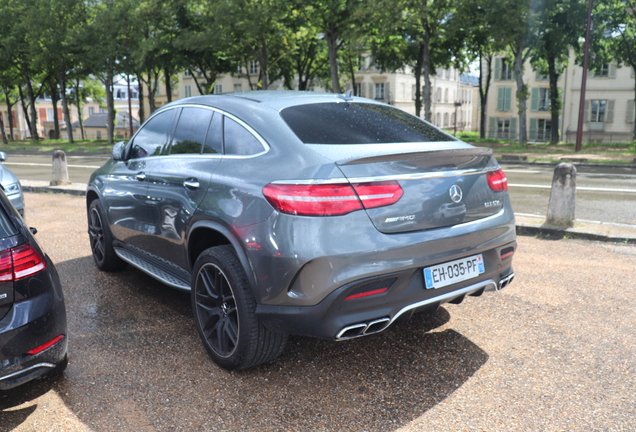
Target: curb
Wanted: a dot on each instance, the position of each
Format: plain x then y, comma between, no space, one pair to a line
578,164
54,189
556,233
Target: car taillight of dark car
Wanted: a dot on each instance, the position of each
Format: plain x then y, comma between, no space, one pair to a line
20,262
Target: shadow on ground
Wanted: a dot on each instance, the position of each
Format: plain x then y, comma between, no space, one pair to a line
136,363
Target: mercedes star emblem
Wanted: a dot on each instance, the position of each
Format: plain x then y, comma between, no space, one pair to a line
455,193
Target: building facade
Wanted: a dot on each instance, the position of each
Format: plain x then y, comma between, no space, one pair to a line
608,107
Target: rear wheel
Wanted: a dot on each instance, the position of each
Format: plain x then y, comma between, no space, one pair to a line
101,239
225,313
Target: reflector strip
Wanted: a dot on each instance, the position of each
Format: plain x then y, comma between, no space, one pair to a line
45,346
368,293
504,256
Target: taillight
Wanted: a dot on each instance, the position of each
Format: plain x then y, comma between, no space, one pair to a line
20,262
331,199
497,180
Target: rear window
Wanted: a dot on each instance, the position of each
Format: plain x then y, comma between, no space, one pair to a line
6,226
358,123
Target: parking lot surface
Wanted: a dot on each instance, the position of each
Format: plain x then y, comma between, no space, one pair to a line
554,351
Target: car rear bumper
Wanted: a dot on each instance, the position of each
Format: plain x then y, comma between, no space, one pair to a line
344,315
28,325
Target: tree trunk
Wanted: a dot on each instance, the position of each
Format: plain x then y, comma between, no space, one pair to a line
522,94
56,120
9,115
166,75
555,100
426,72
263,59
34,114
67,115
332,44
634,138
4,136
110,105
78,100
483,91
418,81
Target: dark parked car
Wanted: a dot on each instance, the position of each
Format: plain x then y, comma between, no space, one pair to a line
11,185
304,213
32,313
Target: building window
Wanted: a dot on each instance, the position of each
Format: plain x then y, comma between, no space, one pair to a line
544,99
603,71
438,94
99,134
187,90
379,91
102,110
504,98
597,111
91,111
445,119
49,114
503,129
238,87
446,95
253,67
544,131
358,89
504,70
218,89
187,74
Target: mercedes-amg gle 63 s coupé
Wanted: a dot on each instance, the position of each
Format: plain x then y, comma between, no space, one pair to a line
297,212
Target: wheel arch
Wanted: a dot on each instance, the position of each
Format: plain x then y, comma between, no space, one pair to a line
207,234
91,195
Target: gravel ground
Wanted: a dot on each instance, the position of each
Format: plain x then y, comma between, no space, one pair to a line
554,351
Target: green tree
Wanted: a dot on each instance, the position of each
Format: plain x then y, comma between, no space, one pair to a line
616,20
521,27
564,23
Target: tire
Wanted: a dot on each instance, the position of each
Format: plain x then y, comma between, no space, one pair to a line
101,239
225,313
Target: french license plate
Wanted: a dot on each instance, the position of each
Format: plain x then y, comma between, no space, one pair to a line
452,272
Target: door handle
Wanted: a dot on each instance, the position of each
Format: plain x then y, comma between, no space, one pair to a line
191,183
141,176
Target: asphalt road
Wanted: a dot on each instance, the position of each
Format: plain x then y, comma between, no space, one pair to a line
603,194
554,351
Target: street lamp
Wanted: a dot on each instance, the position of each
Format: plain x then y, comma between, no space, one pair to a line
457,105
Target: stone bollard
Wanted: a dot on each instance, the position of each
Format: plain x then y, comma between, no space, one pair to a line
562,196
60,169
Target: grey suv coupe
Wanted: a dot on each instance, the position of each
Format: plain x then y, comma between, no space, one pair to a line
297,212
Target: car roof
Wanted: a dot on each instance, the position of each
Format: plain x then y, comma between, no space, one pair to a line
272,99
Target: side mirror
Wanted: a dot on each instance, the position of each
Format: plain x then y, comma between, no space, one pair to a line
118,150
3,156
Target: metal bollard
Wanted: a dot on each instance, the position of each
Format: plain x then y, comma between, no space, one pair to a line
60,169
561,207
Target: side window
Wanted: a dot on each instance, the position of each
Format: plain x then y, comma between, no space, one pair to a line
152,136
214,138
189,134
238,140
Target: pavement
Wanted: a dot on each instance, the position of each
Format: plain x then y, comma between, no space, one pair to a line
527,224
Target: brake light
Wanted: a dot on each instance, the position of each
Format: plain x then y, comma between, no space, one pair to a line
331,199
20,262
45,346
497,180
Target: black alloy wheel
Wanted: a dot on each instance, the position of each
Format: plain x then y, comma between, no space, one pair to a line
217,312
101,240
224,313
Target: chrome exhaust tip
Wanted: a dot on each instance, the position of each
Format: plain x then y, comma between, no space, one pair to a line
506,281
363,329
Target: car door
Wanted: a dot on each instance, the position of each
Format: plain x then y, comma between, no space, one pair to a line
126,200
178,181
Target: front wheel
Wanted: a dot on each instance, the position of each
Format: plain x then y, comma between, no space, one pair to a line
225,313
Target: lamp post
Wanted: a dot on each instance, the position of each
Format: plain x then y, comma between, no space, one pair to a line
457,105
